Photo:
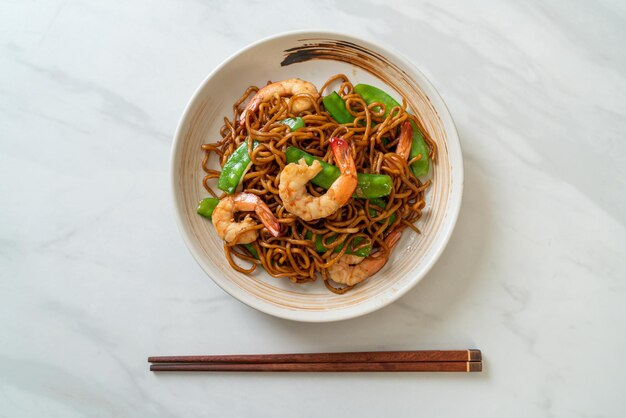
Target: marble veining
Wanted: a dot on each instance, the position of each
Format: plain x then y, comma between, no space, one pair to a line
94,276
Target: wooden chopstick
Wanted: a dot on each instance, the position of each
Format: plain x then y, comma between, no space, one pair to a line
422,366
355,357
377,361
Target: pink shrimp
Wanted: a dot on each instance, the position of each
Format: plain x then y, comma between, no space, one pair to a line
294,177
284,88
350,270
229,230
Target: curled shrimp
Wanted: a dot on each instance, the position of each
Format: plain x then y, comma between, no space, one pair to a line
224,220
283,88
351,269
403,148
294,177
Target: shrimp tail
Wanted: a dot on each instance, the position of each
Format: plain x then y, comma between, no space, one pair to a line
404,142
252,106
341,152
268,219
252,202
346,185
392,239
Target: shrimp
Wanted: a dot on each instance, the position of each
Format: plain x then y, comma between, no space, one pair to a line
283,88
229,230
294,177
351,270
405,141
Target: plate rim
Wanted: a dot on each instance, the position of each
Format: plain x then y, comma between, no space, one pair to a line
357,310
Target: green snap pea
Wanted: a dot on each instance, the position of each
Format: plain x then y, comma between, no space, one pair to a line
293,123
206,206
336,106
419,147
368,185
252,250
381,204
235,168
362,251
321,248
373,94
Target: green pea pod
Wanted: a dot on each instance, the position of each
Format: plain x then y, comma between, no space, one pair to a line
418,146
368,187
293,123
361,252
235,168
252,250
321,248
373,94
381,204
336,106
206,206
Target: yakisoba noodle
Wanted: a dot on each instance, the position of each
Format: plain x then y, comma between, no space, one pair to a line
372,139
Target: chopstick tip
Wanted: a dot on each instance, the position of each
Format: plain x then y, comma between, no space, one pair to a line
474,366
474,355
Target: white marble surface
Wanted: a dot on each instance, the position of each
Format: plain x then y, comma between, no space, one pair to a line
94,275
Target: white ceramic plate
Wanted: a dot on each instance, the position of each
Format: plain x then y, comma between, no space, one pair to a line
315,56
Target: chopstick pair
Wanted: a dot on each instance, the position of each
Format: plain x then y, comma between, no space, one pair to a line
374,361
